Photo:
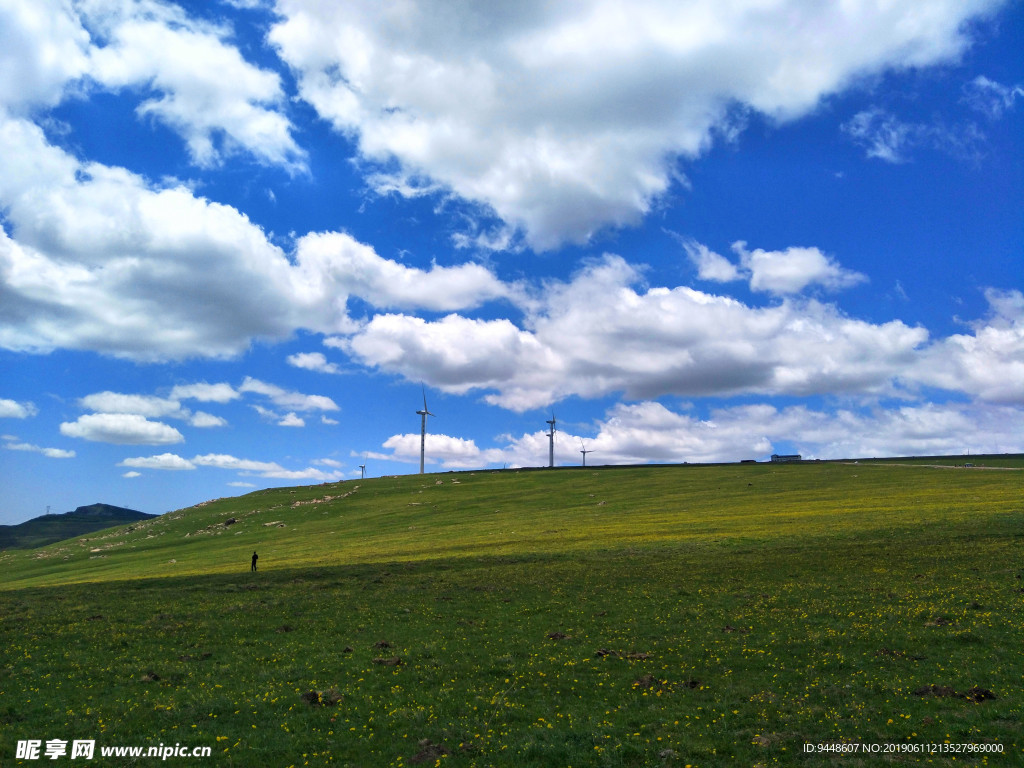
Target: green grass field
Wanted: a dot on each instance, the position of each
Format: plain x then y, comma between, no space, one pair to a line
661,616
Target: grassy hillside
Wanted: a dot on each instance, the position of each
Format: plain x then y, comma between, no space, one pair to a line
664,616
414,517
49,529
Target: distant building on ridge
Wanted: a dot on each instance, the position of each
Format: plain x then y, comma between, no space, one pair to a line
781,459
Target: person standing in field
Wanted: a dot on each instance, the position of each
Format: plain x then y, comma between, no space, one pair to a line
255,557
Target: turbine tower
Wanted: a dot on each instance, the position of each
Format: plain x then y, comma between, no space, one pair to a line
551,441
585,451
423,427
362,471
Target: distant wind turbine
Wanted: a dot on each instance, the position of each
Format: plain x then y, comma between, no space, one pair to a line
423,427
551,441
585,451
362,471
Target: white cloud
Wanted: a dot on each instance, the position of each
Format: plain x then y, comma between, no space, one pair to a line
887,137
778,272
882,135
310,473
121,429
52,453
225,461
200,84
566,118
710,265
336,262
291,420
991,98
267,469
988,363
132,474
792,270
288,399
597,335
43,46
143,405
329,463
204,420
12,409
313,361
450,452
97,258
205,392
649,432
168,461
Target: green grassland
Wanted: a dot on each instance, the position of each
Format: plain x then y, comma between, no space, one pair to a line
655,616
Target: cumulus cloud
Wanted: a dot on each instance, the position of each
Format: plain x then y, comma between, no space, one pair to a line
988,363
597,334
95,257
291,420
647,431
777,272
12,409
143,405
566,118
450,452
43,46
341,263
313,361
710,265
201,86
150,406
206,420
205,392
650,432
121,429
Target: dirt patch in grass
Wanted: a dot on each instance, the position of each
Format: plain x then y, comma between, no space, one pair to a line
429,752
975,693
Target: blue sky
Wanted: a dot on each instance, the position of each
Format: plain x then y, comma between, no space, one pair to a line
238,238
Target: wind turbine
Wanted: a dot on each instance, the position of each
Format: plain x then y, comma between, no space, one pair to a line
585,451
423,427
362,471
551,441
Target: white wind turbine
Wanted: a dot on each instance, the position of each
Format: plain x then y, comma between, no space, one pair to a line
423,427
551,441
585,451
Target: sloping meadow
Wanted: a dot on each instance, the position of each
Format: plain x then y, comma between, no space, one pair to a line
710,616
